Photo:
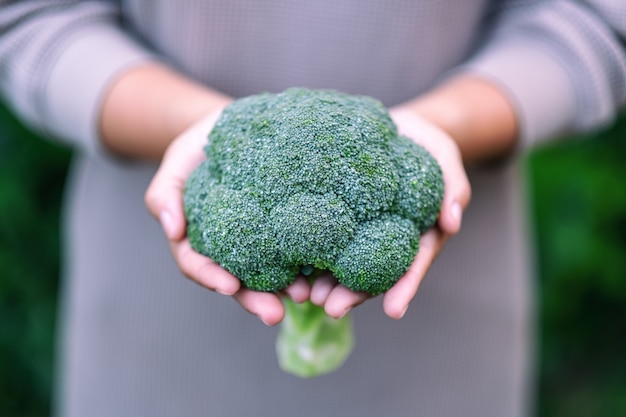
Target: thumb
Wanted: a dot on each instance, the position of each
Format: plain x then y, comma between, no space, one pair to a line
457,194
164,196
164,201
451,215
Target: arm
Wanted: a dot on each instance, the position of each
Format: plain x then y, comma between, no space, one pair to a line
171,123
57,58
546,68
462,121
138,120
455,127
560,63
475,113
73,73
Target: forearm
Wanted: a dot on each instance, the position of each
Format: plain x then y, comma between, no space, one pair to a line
474,112
148,106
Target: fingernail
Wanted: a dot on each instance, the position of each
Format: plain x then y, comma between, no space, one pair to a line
456,212
263,321
403,312
225,292
343,314
167,222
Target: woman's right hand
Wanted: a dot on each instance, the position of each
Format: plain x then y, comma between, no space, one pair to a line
164,199
153,112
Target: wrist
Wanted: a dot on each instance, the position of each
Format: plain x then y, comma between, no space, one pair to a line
190,105
148,106
474,112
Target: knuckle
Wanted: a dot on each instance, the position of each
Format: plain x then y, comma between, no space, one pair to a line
148,197
151,199
468,193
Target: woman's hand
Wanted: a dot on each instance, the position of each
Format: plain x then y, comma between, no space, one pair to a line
456,198
143,110
338,300
164,199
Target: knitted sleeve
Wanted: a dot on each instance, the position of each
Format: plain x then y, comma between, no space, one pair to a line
57,59
562,62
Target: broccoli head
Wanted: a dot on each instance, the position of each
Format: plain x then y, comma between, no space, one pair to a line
311,180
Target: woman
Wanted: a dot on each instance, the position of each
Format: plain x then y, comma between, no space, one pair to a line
131,83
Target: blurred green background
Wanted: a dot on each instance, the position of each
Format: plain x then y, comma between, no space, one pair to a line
578,196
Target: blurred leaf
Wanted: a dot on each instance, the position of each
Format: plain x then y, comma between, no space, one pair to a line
32,173
579,205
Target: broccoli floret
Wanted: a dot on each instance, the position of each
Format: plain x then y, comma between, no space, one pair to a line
381,251
305,181
311,178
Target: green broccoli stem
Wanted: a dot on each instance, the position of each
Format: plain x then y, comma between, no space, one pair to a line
311,343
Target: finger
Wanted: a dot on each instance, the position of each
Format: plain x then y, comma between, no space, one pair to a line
203,270
341,300
443,148
164,199
266,306
299,291
186,152
321,288
457,193
164,196
397,299
451,216
456,198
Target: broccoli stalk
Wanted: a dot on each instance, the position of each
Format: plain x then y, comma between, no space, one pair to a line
310,180
311,343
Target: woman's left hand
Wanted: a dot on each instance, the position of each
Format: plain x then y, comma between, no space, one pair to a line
337,299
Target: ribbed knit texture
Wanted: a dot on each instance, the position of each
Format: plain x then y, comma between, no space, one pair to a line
140,340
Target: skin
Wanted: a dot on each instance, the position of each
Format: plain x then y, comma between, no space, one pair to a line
464,120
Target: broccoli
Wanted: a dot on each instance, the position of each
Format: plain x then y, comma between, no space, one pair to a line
309,180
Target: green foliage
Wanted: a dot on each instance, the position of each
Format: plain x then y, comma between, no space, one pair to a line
31,177
579,195
311,178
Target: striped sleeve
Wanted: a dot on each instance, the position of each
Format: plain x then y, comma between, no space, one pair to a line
57,59
562,63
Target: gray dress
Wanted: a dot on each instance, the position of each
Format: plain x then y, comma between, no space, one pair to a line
137,339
